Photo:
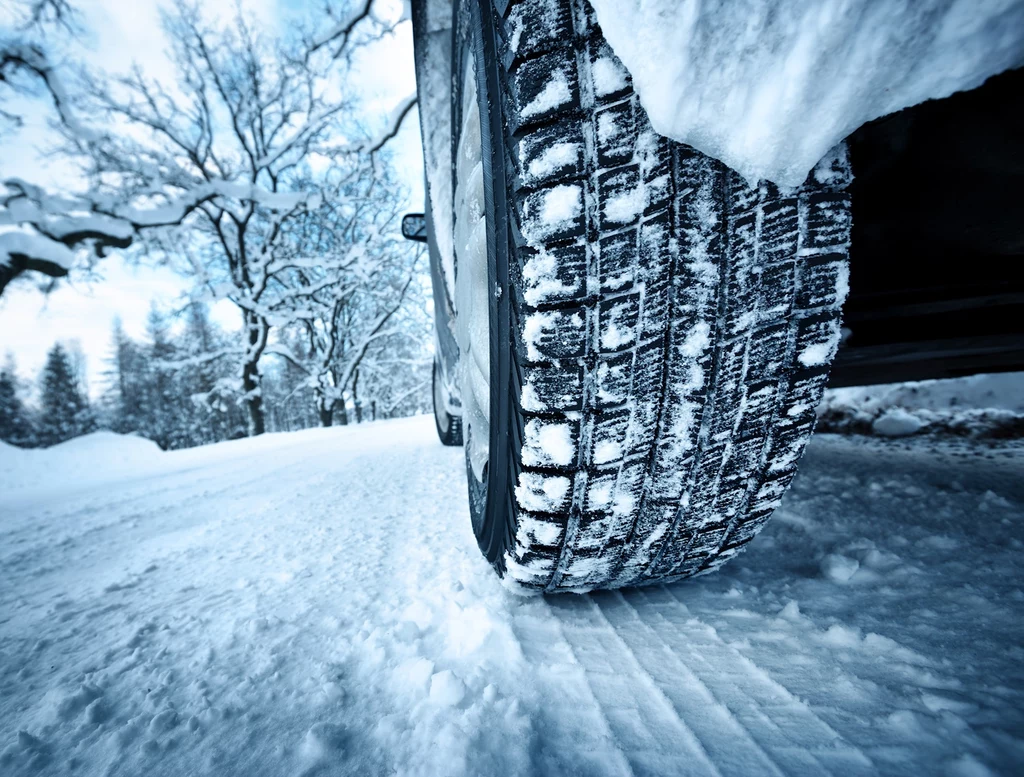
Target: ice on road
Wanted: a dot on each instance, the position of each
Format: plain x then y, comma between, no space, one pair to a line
314,603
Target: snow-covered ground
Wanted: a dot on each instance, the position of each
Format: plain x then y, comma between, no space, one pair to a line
314,603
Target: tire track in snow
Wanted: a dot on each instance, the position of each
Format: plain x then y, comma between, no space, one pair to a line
646,723
108,551
728,747
785,728
576,729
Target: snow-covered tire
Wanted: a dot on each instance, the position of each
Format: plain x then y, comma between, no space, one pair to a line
661,331
449,427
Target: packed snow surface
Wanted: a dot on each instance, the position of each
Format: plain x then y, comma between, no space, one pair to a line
769,86
314,603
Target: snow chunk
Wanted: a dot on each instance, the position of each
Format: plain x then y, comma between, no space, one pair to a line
529,399
413,674
542,283
838,568
446,690
791,612
322,740
606,451
555,92
616,330
599,495
163,721
543,532
533,332
820,354
768,88
553,159
561,204
609,76
548,443
969,766
841,636
897,422
541,494
816,355
625,207
607,128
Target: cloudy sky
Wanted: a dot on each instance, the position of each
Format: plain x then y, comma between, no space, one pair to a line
120,33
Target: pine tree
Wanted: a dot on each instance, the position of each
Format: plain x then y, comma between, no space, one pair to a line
15,426
126,391
65,411
208,418
161,417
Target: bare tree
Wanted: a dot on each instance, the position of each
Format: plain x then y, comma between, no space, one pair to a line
342,305
274,102
226,155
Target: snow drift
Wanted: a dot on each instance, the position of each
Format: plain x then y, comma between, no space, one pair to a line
86,458
769,87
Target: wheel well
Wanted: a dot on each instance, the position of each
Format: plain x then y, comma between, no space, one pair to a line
938,239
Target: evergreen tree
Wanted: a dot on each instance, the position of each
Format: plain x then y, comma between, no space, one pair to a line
15,425
162,409
65,412
209,417
126,393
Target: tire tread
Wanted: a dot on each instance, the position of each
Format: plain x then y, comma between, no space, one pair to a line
669,353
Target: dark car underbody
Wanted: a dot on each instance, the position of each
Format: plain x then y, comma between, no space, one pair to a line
936,281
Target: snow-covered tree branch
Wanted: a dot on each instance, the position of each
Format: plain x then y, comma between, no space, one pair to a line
244,115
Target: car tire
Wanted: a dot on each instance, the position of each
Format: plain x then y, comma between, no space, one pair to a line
660,330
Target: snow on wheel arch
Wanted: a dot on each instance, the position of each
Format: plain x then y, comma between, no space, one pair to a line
769,86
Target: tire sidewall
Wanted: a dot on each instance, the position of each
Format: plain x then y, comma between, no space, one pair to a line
491,503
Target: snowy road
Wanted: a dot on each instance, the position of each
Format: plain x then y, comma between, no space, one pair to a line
314,603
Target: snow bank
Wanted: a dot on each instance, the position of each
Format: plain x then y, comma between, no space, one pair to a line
770,87
99,455
106,457
975,406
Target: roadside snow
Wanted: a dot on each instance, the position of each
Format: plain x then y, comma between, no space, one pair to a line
769,87
975,406
897,422
87,459
315,603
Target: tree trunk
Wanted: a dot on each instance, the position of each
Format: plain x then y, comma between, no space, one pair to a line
325,410
342,414
356,404
253,400
251,378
